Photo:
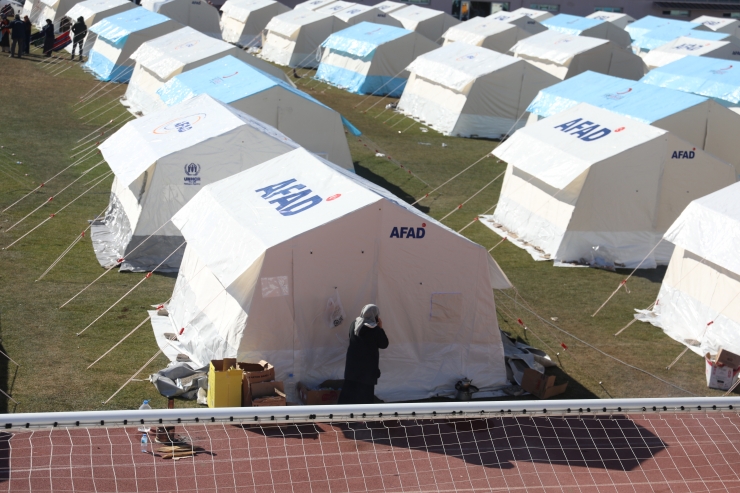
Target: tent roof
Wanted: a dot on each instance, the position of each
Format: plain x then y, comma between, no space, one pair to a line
335,7
650,22
570,24
503,16
89,8
288,23
691,46
710,228
415,13
388,6
710,77
458,64
247,224
313,4
362,39
116,27
607,16
173,129
168,54
714,23
477,29
356,9
640,101
549,150
556,47
531,13
662,35
240,9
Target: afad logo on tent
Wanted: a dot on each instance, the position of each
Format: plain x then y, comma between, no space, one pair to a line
291,197
585,130
409,232
684,154
180,125
618,95
721,71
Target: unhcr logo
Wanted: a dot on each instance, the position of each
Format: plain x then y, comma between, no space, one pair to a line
290,197
192,170
188,44
585,130
180,125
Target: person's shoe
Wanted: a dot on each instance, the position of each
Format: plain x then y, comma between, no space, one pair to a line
72,57
80,57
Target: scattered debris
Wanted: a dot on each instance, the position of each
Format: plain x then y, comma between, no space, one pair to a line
379,154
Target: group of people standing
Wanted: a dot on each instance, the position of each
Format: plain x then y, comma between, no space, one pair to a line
15,36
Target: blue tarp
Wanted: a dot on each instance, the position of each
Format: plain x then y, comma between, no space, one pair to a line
710,77
570,24
106,70
115,29
649,23
227,79
626,97
362,39
658,37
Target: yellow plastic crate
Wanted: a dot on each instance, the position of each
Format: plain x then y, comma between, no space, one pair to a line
224,385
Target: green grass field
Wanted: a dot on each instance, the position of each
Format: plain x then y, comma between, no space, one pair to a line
41,126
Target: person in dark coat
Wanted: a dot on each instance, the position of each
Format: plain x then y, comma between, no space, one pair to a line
18,36
27,22
4,34
79,31
48,32
361,370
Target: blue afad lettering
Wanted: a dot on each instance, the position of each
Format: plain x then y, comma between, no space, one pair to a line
405,232
683,155
585,130
290,197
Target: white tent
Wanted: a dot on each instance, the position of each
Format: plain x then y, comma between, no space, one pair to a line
313,4
617,18
160,162
242,21
592,187
565,55
293,38
726,25
119,36
427,22
520,20
308,122
54,10
699,301
33,8
469,91
159,60
371,59
538,15
270,247
356,13
198,14
727,49
480,31
586,26
93,11
389,6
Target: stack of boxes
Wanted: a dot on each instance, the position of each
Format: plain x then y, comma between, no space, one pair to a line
722,373
237,384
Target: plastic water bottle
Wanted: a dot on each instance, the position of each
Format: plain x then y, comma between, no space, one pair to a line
145,443
290,389
145,406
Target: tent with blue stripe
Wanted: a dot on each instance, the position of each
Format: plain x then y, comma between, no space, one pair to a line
709,77
658,37
728,49
307,121
371,58
584,26
699,120
118,36
648,23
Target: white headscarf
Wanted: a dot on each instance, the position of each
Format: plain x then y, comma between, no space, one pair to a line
367,317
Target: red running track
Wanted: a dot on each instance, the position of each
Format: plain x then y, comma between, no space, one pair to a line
637,453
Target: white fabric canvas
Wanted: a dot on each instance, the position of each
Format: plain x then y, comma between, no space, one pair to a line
726,25
520,20
538,15
33,8
698,300
427,22
686,46
198,14
480,31
356,13
617,18
313,4
93,11
268,248
565,55
389,6
467,90
592,187
242,21
179,150
54,10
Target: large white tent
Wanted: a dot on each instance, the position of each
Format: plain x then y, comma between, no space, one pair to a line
726,25
467,91
371,59
538,15
659,37
427,22
308,122
293,38
481,31
119,36
701,121
242,21
592,187
198,14
586,26
93,11
699,300
32,8
160,162
727,49
565,55
619,19
54,10
270,248
356,13
158,60
520,20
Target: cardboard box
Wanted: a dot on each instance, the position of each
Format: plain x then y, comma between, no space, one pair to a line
268,389
541,385
329,393
720,377
254,373
726,358
224,385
